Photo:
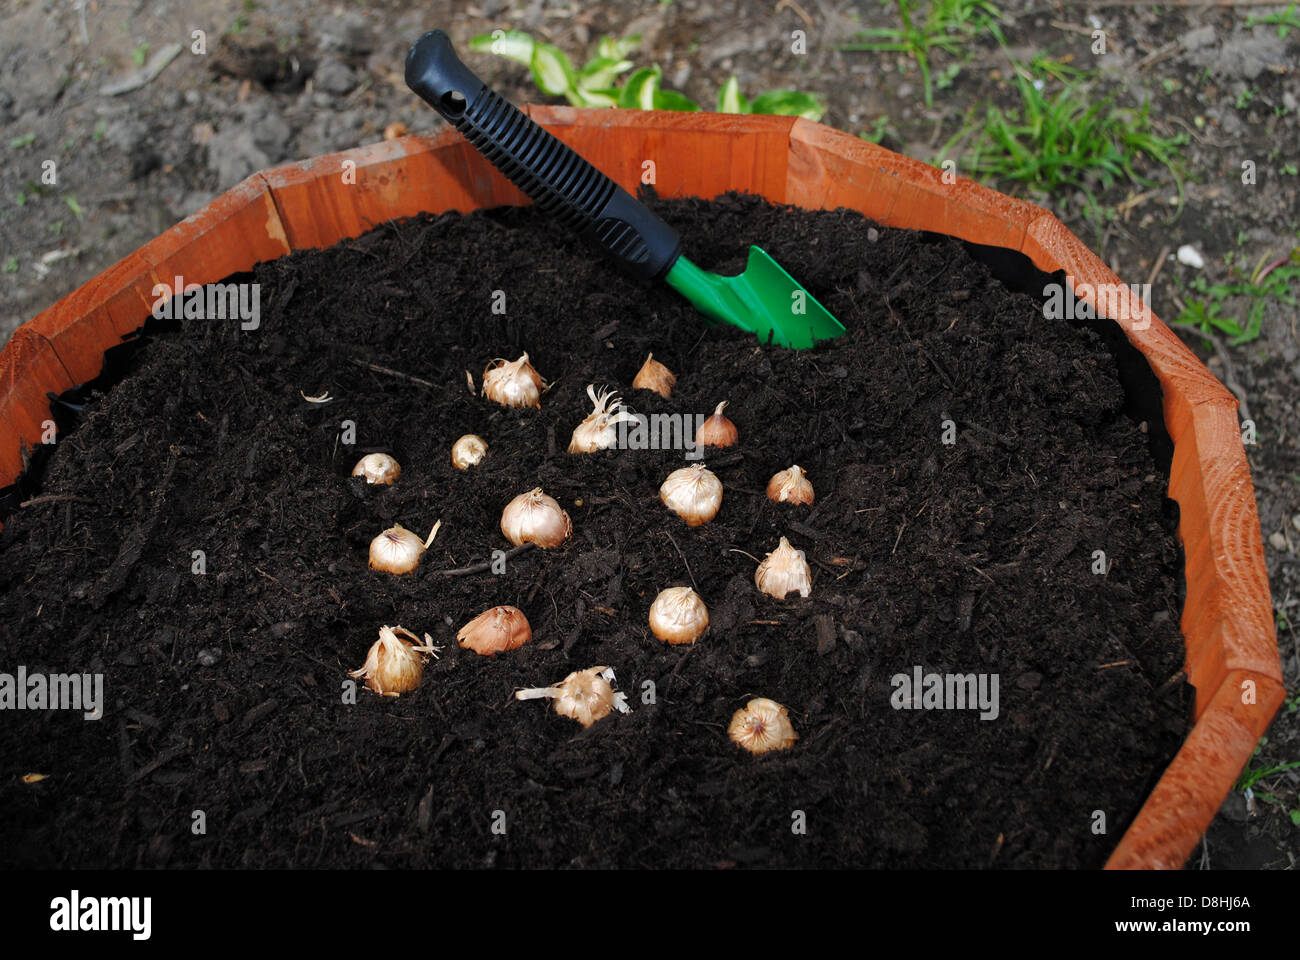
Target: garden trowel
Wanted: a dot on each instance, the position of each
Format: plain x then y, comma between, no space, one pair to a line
765,300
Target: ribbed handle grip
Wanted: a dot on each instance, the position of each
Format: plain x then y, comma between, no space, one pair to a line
560,183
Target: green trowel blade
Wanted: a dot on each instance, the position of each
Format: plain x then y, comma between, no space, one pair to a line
765,300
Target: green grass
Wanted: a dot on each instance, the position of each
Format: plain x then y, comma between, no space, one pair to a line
1063,134
1279,282
947,26
1285,20
1253,776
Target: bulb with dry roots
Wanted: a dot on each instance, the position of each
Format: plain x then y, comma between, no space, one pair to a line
694,493
790,486
717,431
761,726
513,383
584,695
468,451
397,550
678,615
655,377
534,517
496,631
782,571
395,661
599,431
377,468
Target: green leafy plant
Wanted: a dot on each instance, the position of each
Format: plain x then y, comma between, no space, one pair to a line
1068,138
601,81
1273,282
26,140
877,131
1253,776
1286,20
11,264
139,53
947,25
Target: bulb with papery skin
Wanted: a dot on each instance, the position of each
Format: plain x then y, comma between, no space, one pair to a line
717,431
599,431
468,451
694,493
678,615
377,468
494,631
790,486
763,725
655,377
394,663
534,517
783,571
513,383
398,550
584,695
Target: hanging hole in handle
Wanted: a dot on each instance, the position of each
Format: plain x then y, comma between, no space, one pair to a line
453,103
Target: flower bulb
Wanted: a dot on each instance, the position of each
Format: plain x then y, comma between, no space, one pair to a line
790,486
717,431
397,550
395,663
377,468
694,493
513,383
678,615
534,517
599,431
784,570
584,695
468,451
496,631
654,376
761,726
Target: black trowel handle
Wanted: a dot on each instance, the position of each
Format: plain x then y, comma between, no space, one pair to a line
560,182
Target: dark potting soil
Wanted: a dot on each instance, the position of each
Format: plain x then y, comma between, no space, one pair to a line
225,692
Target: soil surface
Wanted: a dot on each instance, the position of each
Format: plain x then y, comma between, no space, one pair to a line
1227,78
226,691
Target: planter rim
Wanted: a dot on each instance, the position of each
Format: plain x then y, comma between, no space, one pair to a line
1227,623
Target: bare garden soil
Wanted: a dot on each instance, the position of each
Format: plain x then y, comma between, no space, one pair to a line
225,690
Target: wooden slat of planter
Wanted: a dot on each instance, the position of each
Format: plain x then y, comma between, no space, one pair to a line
744,152
95,317
323,200
28,368
829,170
1228,617
1171,822
227,236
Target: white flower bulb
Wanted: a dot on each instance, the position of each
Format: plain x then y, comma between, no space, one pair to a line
678,615
694,493
513,383
468,451
782,571
377,468
599,431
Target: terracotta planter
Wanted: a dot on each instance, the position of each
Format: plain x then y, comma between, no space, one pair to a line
1227,622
